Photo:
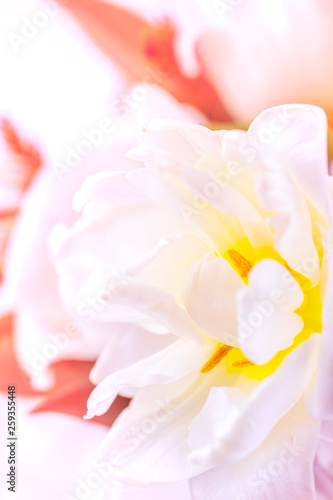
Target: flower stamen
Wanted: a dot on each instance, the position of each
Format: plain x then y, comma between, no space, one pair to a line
243,266
219,354
242,363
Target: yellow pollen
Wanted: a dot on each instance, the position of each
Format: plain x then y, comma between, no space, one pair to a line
219,354
243,265
242,363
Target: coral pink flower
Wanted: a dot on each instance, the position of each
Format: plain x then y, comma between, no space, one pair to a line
250,55
146,52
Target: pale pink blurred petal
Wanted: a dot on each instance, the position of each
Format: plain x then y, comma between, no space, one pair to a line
54,453
272,53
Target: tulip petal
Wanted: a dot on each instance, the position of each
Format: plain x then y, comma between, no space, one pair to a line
267,323
322,404
157,414
106,190
288,143
178,141
242,68
268,402
127,345
203,221
323,465
209,296
280,468
163,492
298,133
171,363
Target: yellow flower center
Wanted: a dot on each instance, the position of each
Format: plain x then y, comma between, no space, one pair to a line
240,263
310,311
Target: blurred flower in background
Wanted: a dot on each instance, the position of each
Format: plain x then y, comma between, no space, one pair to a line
80,80
248,56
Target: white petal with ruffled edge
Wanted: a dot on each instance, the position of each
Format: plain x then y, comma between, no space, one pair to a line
280,469
245,429
171,363
209,295
267,322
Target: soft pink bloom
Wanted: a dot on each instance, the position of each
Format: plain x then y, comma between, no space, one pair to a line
146,50
66,443
248,56
69,447
215,230
48,329
172,243
270,53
